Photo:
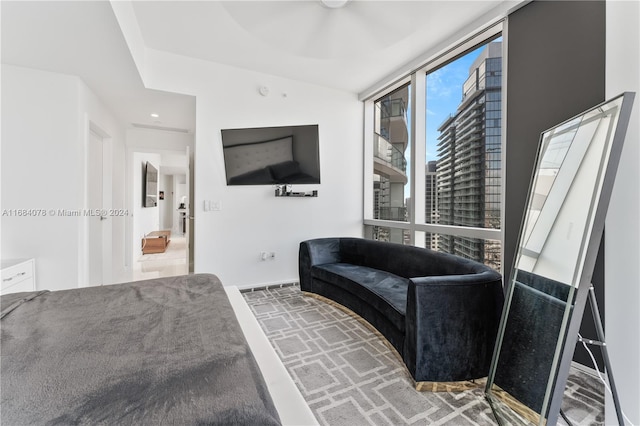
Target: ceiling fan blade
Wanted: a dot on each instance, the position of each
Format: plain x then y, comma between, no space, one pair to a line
309,29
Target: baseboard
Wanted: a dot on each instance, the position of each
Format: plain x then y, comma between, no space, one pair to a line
257,287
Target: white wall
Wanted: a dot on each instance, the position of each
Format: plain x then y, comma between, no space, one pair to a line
166,205
173,160
97,116
160,141
622,229
46,119
41,122
228,242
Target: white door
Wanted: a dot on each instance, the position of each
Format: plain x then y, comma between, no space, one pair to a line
95,204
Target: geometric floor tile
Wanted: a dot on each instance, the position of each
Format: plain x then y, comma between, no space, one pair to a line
350,377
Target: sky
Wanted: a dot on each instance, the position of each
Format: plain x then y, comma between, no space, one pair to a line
444,93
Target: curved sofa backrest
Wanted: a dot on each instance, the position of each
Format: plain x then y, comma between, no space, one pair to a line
405,261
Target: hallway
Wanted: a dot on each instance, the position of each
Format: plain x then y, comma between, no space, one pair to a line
170,263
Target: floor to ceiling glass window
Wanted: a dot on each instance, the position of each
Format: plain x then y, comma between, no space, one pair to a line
391,150
462,170
463,137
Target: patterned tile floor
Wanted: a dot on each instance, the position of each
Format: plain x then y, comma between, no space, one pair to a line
349,376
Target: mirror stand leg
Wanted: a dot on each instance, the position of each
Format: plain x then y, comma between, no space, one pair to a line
605,354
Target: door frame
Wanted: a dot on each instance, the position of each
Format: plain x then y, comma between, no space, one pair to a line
107,197
132,240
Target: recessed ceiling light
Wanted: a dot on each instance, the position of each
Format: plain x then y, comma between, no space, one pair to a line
154,115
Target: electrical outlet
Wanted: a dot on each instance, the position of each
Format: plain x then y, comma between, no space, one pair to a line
267,255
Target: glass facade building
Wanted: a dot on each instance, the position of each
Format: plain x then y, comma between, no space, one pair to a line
431,202
469,155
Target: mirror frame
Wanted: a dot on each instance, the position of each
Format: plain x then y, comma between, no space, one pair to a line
505,407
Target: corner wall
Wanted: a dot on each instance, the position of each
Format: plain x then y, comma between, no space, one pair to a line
45,129
40,123
228,242
556,69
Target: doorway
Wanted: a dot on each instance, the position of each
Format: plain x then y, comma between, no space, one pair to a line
170,214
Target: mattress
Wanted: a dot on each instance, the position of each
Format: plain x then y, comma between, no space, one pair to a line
161,351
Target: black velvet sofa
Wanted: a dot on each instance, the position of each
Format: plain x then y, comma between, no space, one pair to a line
439,311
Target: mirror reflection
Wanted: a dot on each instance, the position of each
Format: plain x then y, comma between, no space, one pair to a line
559,213
550,265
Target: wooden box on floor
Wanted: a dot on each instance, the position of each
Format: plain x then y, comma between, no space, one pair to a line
155,242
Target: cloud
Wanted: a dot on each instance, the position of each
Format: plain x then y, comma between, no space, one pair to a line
438,83
446,82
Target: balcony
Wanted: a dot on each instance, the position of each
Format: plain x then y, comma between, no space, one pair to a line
389,160
445,123
391,213
393,108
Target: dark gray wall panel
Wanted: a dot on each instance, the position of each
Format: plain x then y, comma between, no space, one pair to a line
556,69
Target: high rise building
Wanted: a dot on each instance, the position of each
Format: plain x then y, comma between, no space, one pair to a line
468,168
390,164
431,203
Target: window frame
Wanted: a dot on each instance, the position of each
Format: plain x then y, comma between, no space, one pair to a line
416,224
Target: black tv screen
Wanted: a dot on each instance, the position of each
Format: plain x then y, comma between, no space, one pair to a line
272,155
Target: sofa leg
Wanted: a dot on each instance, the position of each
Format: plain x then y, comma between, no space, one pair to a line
450,386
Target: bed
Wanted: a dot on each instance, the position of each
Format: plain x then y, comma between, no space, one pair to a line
161,351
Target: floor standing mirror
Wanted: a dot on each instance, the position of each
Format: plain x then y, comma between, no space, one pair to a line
559,238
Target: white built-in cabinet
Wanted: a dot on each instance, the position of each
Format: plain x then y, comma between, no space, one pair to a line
18,275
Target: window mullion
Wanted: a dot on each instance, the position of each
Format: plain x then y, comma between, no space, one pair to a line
368,195
418,153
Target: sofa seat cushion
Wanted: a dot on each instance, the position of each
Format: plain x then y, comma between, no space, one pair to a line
384,291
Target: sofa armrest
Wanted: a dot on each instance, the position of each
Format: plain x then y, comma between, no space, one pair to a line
451,325
319,251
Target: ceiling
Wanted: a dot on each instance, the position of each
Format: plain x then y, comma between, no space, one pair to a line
348,48
83,38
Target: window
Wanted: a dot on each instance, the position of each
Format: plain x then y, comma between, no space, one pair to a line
463,137
388,234
460,187
391,141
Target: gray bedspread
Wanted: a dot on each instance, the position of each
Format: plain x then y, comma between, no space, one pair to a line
162,351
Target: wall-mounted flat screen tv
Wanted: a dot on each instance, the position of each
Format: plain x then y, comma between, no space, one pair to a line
272,155
150,191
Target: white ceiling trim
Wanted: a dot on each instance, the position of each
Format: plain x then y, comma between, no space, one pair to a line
163,128
298,40
126,17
